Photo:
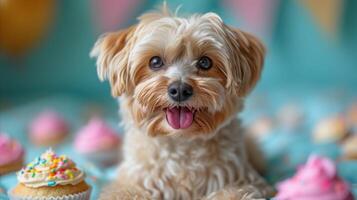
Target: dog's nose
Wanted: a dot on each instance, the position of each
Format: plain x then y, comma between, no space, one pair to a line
179,91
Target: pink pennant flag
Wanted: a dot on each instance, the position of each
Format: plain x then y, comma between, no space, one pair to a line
256,15
110,14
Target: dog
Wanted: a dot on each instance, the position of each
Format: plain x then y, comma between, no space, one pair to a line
180,83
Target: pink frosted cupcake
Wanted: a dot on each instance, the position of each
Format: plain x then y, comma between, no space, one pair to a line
316,180
98,142
48,128
11,155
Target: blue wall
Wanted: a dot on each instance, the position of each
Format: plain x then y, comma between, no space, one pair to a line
299,56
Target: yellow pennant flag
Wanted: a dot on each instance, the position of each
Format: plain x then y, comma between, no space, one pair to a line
326,13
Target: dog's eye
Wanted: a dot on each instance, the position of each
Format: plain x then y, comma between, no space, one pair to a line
156,63
204,63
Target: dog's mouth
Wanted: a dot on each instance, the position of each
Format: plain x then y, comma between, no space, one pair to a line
179,117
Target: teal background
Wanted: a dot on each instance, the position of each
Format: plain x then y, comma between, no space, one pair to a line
300,54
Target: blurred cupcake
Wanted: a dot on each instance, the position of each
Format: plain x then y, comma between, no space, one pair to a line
331,129
48,129
261,127
349,148
2,193
98,142
11,155
51,177
290,117
352,117
316,180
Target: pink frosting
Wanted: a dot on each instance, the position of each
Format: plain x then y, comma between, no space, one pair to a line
96,136
316,180
48,124
10,150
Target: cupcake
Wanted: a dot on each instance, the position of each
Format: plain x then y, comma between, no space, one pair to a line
48,129
352,116
331,129
349,148
98,142
51,177
261,127
11,155
316,180
2,193
290,117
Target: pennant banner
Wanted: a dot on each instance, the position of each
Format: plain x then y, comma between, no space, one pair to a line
112,13
326,13
257,15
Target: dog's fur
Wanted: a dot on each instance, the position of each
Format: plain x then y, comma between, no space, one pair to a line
209,159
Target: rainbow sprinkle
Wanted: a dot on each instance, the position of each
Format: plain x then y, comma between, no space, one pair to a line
54,168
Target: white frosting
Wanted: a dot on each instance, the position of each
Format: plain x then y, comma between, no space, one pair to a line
41,180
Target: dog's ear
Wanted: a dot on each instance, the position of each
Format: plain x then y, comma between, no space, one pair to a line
247,54
112,52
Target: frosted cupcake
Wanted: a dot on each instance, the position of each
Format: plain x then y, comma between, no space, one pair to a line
261,127
352,116
48,129
2,193
98,142
331,129
349,148
11,155
316,180
51,177
290,117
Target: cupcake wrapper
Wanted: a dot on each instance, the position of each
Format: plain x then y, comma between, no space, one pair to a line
80,196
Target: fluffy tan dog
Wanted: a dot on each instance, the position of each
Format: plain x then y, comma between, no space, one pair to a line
181,83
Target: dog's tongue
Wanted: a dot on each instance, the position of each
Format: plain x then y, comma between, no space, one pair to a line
179,117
